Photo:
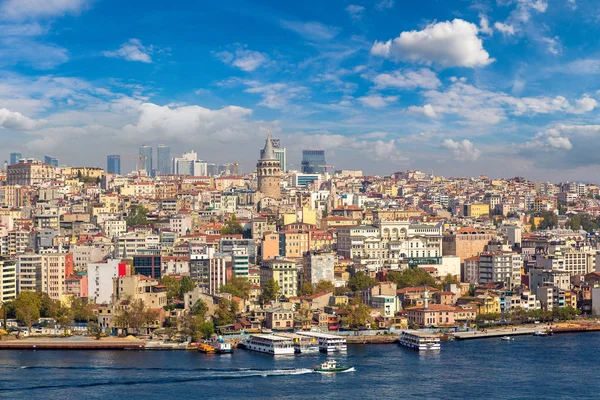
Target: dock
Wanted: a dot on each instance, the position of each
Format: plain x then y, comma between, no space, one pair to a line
65,344
492,333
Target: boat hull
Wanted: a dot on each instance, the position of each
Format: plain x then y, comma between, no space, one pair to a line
332,370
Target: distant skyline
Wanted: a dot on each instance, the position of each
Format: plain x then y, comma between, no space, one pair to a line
457,87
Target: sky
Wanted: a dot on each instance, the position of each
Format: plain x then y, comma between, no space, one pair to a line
454,87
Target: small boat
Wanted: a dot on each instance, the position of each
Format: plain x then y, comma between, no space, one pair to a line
221,346
206,348
540,333
507,338
330,366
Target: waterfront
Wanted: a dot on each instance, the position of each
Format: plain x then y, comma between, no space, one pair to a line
562,366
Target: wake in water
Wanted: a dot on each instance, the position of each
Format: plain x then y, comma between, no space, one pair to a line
238,373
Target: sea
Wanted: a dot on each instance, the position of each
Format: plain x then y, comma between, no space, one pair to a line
565,366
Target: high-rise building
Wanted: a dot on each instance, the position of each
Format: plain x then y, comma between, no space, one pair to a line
51,161
163,160
146,159
15,157
281,155
113,164
188,164
212,169
313,161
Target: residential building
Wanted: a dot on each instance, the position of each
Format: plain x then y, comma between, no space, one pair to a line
8,279
284,272
502,267
319,267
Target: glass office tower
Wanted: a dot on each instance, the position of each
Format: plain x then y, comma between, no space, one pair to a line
146,159
15,157
163,160
113,164
313,161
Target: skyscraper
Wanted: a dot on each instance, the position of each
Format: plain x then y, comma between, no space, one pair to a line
15,157
163,160
113,164
51,160
146,159
313,161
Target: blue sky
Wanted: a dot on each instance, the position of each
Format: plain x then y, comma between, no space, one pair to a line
458,87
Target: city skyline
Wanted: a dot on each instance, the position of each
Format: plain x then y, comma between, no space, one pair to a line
460,88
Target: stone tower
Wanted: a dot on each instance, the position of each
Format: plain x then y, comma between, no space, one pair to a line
269,172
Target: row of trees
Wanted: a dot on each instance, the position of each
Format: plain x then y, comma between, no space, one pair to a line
176,288
28,307
522,315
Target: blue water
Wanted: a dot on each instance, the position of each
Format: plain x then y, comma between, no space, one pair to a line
558,367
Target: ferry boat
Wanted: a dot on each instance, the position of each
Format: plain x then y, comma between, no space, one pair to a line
302,344
328,343
330,366
270,344
418,340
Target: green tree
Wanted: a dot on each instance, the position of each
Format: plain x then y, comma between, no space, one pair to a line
134,316
226,312
450,279
575,222
411,277
204,329
137,215
199,310
83,310
27,307
356,314
186,285
94,329
173,286
360,281
48,307
488,317
307,289
324,286
270,291
64,317
237,286
232,227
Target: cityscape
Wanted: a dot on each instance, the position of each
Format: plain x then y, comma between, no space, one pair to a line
366,199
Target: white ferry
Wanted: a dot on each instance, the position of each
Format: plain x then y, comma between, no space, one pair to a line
270,344
302,344
328,343
419,340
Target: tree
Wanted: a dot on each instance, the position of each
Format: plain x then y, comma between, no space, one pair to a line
137,215
186,285
575,222
232,227
411,277
237,286
64,317
204,329
270,291
307,289
324,286
450,280
488,317
48,307
94,329
360,281
199,309
173,286
134,316
27,307
226,312
83,311
356,314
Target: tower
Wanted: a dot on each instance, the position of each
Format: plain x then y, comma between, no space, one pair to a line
146,159
269,171
163,159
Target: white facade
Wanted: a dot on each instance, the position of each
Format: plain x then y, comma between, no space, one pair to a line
100,280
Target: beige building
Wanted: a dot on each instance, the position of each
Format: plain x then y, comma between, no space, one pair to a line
284,272
30,173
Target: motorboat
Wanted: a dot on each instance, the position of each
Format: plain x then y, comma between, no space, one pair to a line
331,366
507,338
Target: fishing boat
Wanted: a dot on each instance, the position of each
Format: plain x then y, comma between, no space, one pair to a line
206,348
330,366
508,338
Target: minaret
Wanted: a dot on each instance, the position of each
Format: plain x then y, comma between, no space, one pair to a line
425,299
268,170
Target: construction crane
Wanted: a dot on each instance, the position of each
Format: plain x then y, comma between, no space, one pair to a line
139,161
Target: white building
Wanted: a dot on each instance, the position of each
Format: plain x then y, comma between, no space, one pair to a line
100,280
501,267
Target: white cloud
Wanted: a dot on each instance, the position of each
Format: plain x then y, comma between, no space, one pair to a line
522,12
463,150
311,30
355,11
384,4
132,50
28,9
244,59
15,121
448,44
408,79
572,4
505,29
275,95
427,110
559,143
377,100
484,25
480,106
14,50
554,46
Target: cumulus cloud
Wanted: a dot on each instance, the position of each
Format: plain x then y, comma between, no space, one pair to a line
132,50
447,44
480,106
242,58
311,30
16,121
28,9
275,95
462,150
407,79
427,110
505,29
484,25
355,11
377,100
384,5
